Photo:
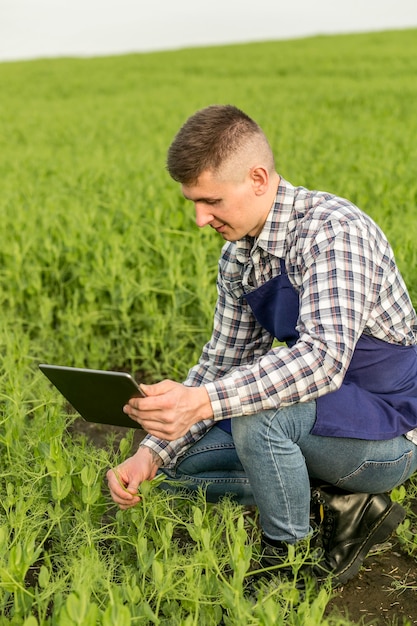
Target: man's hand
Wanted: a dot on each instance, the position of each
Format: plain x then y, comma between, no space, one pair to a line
125,479
169,409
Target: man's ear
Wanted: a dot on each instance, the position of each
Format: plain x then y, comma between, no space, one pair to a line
260,179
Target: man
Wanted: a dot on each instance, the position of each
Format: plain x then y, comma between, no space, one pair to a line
334,403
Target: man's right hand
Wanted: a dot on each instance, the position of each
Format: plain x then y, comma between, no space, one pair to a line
125,479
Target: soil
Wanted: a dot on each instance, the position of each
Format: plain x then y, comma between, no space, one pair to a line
384,591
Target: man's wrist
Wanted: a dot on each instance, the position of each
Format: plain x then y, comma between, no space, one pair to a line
206,410
156,459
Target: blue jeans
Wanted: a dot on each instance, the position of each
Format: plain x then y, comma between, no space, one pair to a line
272,456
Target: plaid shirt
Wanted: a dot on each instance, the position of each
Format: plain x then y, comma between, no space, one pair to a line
344,271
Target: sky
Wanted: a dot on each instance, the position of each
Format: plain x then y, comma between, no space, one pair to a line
54,28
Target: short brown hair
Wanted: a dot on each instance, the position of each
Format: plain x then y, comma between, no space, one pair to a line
207,139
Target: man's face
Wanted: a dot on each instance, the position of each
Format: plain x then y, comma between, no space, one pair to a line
232,208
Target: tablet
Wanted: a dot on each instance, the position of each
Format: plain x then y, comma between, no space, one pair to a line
98,396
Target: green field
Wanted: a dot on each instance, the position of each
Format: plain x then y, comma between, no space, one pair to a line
101,265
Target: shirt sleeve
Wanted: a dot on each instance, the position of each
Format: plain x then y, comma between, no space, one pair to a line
237,340
340,274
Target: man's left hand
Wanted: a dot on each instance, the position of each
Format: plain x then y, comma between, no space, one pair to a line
169,409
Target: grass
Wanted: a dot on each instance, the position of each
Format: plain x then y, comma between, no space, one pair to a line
101,266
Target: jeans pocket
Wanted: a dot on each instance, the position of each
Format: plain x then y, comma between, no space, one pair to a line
378,476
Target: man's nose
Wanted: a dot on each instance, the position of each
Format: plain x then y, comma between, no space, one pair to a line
203,217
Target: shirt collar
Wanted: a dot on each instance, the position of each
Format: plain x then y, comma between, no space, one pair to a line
273,236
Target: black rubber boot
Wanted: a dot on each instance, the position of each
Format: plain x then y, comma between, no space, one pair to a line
350,524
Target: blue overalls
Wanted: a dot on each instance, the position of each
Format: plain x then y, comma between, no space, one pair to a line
378,397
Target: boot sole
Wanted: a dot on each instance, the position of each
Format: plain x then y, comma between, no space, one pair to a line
379,533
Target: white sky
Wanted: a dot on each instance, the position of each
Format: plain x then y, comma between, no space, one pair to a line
44,28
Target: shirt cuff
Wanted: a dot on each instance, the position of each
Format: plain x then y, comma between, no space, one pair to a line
224,398
168,459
